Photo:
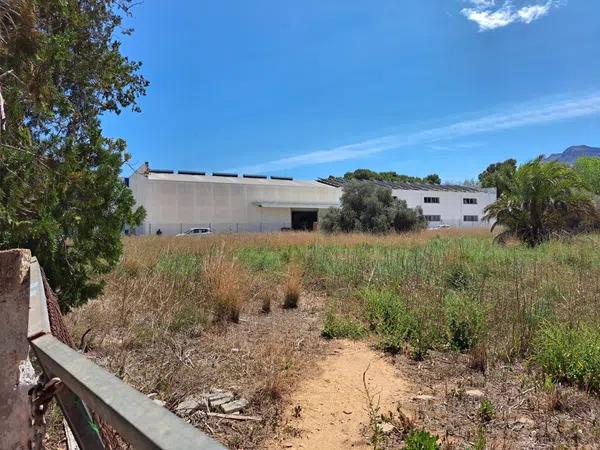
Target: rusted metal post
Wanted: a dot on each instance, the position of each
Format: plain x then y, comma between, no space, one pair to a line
17,375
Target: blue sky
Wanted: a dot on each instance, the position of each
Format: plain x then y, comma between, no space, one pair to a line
316,87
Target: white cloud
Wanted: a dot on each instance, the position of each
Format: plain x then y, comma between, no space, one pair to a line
519,115
489,17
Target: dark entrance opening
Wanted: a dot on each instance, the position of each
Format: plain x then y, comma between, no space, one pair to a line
304,220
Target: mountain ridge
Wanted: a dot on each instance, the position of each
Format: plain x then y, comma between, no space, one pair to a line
573,152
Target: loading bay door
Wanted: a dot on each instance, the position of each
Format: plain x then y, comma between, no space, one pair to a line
304,219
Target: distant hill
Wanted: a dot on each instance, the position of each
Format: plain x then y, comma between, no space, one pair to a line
571,154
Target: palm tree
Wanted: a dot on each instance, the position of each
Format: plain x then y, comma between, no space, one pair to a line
542,199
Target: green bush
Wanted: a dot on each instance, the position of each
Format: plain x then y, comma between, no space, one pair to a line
338,326
464,322
458,276
387,315
179,264
570,353
421,440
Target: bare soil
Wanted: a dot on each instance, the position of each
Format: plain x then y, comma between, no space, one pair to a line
329,411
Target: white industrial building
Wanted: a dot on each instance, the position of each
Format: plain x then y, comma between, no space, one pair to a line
178,201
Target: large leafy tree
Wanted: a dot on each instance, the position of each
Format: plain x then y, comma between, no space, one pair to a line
542,199
370,208
61,69
498,175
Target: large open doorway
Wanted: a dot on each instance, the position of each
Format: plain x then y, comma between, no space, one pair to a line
304,220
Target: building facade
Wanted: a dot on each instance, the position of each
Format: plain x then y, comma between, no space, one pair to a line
178,201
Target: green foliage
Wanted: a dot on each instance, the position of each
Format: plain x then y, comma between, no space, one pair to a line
387,315
367,174
421,440
542,199
569,353
464,322
370,208
588,168
60,189
178,263
339,326
498,175
486,410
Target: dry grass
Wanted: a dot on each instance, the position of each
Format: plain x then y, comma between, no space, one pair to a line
292,287
180,315
226,285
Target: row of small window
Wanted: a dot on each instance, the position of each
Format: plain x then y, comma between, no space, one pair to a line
439,218
466,201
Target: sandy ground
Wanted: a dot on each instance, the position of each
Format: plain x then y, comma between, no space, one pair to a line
333,412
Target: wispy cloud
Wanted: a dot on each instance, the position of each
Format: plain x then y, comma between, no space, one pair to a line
489,16
518,115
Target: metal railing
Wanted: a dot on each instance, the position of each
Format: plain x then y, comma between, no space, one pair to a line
83,384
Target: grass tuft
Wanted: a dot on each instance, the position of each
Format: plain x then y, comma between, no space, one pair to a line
292,287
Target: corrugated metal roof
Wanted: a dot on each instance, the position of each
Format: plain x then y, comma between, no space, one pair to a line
340,182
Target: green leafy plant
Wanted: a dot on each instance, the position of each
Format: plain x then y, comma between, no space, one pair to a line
421,440
486,410
339,326
464,322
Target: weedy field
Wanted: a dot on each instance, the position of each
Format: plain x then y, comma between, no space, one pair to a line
501,344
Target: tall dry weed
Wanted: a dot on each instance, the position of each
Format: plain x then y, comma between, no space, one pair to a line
226,285
292,286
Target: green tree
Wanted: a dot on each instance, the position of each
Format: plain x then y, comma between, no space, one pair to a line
370,208
498,175
368,174
542,198
433,178
60,191
588,168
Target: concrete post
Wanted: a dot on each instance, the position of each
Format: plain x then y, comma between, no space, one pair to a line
17,375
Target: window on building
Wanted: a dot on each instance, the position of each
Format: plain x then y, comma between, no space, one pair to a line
433,218
431,200
471,218
469,201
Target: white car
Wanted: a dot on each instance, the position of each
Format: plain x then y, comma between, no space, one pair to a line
440,227
196,232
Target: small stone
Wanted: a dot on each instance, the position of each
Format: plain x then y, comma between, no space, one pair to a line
158,402
525,421
234,406
387,428
152,396
188,405
218,395
235,350
221,401
425,398
474,394
287,445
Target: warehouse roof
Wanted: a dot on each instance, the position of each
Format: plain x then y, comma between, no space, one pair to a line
163,175
340,182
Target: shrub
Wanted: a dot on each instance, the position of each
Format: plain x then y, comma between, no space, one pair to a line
570,353
464,322
387,315
421,440
370,208
338,326
292,287
225,284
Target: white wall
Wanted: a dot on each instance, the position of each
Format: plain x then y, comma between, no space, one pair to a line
224,204
451,207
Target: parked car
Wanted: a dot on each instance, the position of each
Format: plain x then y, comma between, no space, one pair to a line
440,227
196,232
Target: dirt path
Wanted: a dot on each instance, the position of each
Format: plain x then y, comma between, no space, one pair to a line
333,404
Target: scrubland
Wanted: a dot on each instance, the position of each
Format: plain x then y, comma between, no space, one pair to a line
252,312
